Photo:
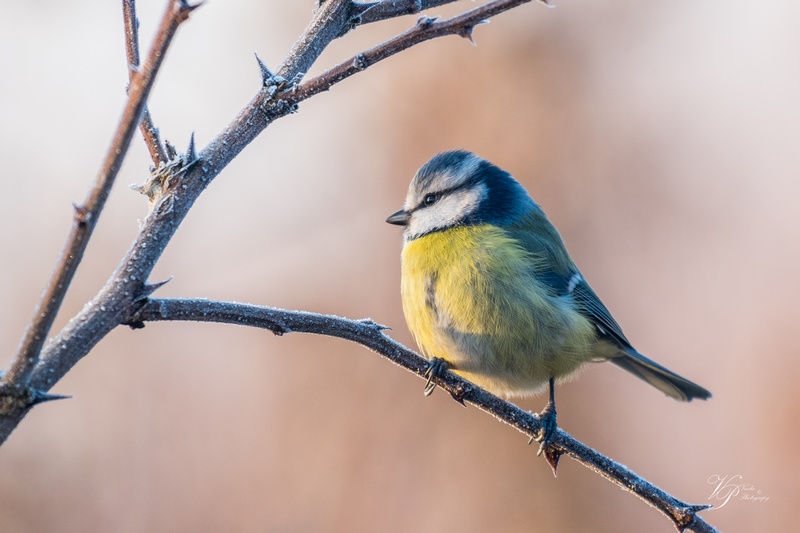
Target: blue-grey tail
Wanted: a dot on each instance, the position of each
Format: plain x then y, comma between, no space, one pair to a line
661,378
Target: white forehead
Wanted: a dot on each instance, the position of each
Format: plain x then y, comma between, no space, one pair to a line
440,175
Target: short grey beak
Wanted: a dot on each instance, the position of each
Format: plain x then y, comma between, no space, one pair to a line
400,218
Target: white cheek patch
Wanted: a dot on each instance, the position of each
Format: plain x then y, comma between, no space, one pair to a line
457,205
452,209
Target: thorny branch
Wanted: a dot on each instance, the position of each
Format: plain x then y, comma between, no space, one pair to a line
124,299
371,335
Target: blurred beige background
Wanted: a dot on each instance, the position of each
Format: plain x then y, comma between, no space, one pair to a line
661,138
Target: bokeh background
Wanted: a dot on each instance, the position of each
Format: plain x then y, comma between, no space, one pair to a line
661,138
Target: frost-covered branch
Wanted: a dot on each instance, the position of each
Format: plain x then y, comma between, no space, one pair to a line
371,335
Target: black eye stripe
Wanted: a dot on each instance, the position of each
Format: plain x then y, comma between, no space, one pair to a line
438,195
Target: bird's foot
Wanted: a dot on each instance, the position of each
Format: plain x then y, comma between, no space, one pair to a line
436,368
549,426
545,438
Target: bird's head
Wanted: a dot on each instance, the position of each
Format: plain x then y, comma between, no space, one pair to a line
458,188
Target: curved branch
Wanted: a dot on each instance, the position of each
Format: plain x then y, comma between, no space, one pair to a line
369,334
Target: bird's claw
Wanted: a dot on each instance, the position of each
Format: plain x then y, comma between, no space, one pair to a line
436,368
547,433
549,426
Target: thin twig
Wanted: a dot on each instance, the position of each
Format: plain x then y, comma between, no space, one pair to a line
149,131
370,335
426,28
86,215
396,8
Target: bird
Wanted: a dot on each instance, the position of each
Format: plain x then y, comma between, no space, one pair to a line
490,292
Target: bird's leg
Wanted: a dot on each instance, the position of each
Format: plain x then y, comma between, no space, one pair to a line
436,368
548,418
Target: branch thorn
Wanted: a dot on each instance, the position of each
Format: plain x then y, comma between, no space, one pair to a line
41,397
186,9
697,508
552,455
267,77
140,299
466,31
191,153
146,289
425,21
17,398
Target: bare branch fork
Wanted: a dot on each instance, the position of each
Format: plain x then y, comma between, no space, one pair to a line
178,180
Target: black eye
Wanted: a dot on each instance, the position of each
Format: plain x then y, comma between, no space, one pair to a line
430,199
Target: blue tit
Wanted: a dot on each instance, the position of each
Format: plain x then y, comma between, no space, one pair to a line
490,292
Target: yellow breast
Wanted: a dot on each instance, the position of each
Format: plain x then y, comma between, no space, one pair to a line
471,296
